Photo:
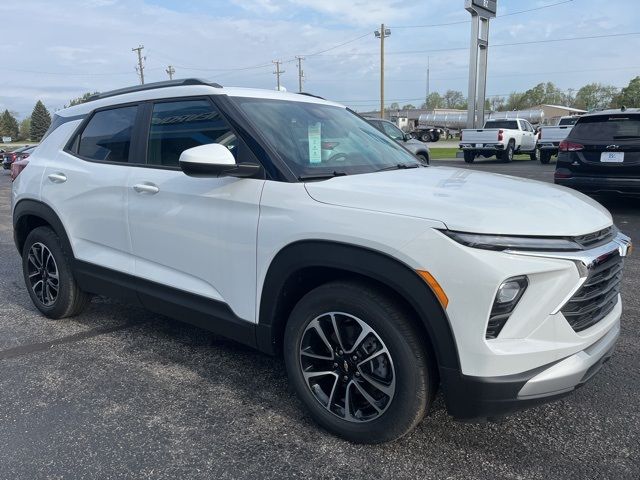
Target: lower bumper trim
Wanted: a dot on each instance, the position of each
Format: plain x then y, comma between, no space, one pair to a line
472,398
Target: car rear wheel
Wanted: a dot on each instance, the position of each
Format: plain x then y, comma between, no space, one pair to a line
507,156
535,155
545,157
469,157
356,361
48,276
425,137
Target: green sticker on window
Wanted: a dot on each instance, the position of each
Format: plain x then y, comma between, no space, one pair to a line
314,134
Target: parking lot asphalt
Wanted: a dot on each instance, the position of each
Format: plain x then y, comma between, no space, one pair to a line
122,393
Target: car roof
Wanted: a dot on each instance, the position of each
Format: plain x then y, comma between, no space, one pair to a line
183,88
611,111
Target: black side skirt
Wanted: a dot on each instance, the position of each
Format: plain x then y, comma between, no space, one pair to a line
197,310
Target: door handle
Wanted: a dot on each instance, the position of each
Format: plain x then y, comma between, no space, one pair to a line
146,188
57,177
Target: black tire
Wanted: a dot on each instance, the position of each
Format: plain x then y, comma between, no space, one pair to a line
507,156
545,157
535,155
436,137
425,137
408,361
469,156
423,157
69,299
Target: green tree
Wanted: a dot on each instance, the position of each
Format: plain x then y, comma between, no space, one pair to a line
40,121
25,129
516,101
408,106
81,99
8,125
394,106
630,95
454,99
496,103
434,100
594,95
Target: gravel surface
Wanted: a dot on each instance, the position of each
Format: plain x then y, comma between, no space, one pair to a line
122,393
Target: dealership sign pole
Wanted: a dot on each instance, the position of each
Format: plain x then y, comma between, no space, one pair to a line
481,11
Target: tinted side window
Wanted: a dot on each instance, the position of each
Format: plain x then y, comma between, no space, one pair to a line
107,136
178,126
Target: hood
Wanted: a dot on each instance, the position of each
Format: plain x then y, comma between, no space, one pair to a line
468,201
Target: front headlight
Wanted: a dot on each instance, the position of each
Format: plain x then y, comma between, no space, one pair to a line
512,242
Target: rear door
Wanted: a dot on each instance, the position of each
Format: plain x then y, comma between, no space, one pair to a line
610,145
86,186
528,136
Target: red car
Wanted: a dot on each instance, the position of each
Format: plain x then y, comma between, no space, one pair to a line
10,157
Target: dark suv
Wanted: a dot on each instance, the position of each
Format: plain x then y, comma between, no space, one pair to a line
601,155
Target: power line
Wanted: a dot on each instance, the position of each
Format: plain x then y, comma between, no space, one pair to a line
460,22
551,40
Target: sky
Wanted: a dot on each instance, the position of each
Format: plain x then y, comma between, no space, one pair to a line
57,50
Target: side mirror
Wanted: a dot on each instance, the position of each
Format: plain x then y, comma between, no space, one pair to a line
214,160
406,136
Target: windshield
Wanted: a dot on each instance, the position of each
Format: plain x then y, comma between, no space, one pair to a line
323,140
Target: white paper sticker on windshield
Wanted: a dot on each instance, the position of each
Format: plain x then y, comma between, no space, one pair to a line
315,143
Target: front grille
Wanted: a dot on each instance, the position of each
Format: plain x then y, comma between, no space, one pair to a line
595,239
598,295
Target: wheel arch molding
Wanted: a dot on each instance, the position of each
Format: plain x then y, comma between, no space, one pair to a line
304,265
29,214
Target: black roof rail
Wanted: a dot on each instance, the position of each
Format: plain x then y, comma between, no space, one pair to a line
311,95
152,86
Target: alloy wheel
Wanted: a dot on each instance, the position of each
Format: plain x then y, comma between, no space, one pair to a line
43,274
347,367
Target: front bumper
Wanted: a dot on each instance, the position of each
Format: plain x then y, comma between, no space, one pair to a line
560,371
476,397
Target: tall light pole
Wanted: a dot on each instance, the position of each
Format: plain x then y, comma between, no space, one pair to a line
481,11
382,34
170,71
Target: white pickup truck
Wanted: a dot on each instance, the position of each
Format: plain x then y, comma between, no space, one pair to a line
502,138
550,137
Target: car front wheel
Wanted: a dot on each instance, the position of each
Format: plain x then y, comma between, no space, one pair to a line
355,360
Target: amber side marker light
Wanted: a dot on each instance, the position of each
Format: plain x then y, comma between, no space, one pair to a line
435,287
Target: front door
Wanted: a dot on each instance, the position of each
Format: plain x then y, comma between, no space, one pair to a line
195,235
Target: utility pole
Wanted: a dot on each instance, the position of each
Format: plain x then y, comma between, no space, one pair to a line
170,71
300,73
140,67
382,34
278,72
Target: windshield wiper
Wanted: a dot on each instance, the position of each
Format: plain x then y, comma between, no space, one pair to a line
321,176
399,166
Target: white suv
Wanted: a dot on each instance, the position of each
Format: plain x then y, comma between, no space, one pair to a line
290,224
